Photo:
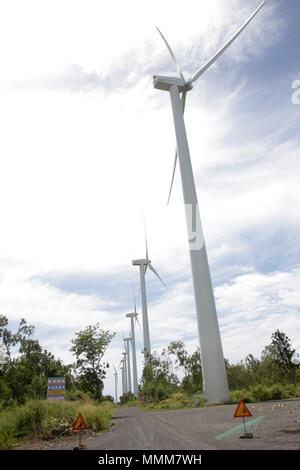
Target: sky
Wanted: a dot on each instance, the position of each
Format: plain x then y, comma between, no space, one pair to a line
87,147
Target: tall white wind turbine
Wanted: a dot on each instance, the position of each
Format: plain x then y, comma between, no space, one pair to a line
125,389
123,377
215,384
116,385
133,318
126,342
144,264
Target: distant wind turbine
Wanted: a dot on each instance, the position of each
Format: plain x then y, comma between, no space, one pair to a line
144,264
133,318
127,341
123,378
125,372
116,385
215,384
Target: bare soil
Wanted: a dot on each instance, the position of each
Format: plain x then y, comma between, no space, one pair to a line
274,425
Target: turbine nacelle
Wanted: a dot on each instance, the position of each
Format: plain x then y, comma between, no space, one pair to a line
164,83
137,262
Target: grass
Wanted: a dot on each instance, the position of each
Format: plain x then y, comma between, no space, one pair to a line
176,401
254,394
259,392
21,422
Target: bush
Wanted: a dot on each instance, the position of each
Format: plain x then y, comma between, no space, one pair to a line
76,394
29,418
243,394
176,401
126,397
276,392
161,392
7,440
260,392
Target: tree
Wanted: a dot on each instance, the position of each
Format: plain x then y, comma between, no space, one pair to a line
89,347
191,365
24,375
2,354
176,348
284,355
158,379
9,339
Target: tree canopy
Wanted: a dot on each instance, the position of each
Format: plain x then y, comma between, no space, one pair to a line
89,347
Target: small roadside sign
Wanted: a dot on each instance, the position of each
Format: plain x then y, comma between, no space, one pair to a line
79,424
242,410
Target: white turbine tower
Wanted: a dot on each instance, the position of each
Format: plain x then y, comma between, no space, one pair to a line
116,385
123,379
133,318
125,389
144,264
215,384
126,342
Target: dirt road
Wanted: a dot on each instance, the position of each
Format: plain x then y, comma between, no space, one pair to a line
274,425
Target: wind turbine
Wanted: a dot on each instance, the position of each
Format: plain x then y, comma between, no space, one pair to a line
116,385
123,379
133,319
215,384
125,390
144,264
126,342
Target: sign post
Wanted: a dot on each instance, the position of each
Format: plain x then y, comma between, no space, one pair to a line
56,391
242,412
79,426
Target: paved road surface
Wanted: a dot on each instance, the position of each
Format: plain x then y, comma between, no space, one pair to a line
274,425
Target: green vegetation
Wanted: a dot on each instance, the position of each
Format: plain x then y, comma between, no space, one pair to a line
89,347
26,421
24,371
25,368
275,376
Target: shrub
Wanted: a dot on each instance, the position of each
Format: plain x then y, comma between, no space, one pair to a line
161,392
260,392
243,394
276,392
7,440
29,418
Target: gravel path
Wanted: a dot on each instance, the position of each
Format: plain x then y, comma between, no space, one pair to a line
274,425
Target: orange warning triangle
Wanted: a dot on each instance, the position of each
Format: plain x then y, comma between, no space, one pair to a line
79,424
242,410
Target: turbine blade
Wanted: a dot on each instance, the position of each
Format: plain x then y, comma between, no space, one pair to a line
226,45
183,98
172,55
137,321
153,270
173,176
145,233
